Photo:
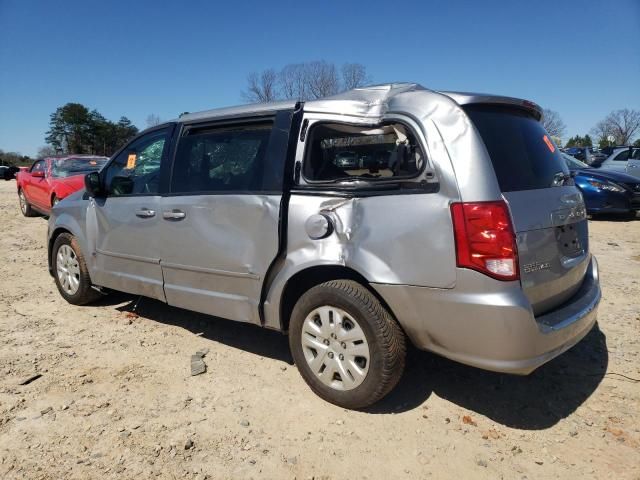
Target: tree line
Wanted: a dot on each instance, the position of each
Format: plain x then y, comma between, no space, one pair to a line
318,79
73,128
14,159
304,81
620,127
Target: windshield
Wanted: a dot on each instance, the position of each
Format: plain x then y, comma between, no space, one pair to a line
573,163
66,167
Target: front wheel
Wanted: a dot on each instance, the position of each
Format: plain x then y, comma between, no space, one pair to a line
71,273
347,347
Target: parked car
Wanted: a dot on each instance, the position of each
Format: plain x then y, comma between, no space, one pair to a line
608,150
473,245
49,180
9,173
605,191
624,160
587,155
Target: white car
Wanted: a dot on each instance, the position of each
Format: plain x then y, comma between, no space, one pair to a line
624,160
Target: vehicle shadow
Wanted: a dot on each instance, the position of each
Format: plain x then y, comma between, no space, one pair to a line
243,336
532,402
614,217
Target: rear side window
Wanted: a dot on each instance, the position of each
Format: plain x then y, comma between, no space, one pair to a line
622,157
216,160
338,152
521,151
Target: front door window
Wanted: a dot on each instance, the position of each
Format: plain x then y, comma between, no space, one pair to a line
37,166
136,170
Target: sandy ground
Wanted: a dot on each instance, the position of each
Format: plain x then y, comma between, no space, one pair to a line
116,400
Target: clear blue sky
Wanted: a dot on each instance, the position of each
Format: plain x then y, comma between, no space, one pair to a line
578,57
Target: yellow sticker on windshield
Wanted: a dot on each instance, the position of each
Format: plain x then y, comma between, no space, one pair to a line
549,144
131,161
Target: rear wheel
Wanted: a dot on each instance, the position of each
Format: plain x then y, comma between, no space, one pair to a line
347,347
25,206
71,273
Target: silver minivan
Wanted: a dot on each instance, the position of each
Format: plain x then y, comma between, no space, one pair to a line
457,228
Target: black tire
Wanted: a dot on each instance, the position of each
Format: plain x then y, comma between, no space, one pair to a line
85,293
385,338
25,207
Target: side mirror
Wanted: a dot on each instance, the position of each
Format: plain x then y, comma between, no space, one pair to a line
93,184
38,174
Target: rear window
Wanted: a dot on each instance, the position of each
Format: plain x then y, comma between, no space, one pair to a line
521,151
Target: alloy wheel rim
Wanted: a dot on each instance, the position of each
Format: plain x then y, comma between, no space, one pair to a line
335,348
68,269
23,202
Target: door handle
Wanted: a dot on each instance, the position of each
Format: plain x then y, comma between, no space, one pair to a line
145,213
174,214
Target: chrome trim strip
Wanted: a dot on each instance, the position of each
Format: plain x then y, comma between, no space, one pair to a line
128,257
213,271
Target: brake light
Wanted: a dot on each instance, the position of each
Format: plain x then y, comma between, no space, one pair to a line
485,239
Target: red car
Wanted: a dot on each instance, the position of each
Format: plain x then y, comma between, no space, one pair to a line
50,180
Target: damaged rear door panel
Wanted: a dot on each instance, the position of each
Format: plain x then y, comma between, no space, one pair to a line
221,216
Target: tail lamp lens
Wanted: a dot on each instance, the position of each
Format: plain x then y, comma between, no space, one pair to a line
485,239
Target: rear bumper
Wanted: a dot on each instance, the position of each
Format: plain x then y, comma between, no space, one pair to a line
489,324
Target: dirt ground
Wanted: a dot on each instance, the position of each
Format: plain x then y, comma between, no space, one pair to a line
116,400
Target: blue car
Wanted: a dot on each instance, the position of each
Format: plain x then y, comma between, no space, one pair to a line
605,191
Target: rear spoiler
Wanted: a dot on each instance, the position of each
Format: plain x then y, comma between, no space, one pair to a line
463,98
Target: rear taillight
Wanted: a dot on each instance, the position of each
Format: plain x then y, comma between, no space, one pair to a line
485,240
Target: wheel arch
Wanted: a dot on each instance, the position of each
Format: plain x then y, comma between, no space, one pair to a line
309,277
52,238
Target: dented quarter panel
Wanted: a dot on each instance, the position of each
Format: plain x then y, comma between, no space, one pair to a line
466,162
379,237
452,141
